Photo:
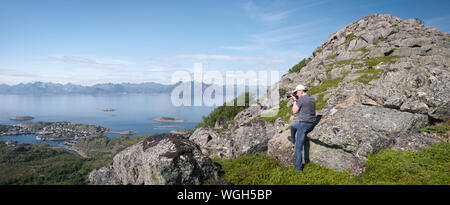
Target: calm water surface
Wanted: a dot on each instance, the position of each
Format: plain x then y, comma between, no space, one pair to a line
132,112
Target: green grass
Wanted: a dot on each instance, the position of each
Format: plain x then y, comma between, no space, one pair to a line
438,128
332,57
364,50
340,63
384,59
369,75
370,62
167,118
321,101
369,71
365,79
299,66
431,166
261,169
326,84
382,39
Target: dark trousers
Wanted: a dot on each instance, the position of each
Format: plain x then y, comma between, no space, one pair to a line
301,128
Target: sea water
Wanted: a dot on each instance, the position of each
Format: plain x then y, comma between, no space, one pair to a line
132,112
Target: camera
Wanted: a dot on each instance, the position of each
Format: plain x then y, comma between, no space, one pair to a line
292,94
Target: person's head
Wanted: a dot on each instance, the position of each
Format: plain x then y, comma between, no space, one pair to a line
300,90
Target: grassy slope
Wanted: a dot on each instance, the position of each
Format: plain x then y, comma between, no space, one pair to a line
431,166
42,164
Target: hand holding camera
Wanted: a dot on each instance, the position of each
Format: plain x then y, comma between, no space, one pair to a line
293,96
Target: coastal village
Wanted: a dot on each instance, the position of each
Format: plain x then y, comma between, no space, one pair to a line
53,130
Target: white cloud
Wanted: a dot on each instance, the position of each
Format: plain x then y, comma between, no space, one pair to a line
106,63
271,13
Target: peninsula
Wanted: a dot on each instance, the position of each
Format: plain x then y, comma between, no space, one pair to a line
53,130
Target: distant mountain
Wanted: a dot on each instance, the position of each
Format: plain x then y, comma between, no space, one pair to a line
47,88
39,88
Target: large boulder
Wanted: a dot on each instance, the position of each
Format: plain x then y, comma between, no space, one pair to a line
249,137
280,147
357,131
212,143
159,160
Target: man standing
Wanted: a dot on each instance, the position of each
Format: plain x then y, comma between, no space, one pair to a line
305,105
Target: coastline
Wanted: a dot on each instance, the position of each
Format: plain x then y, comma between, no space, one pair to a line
79,152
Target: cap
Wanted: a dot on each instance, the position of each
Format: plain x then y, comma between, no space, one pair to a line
300,87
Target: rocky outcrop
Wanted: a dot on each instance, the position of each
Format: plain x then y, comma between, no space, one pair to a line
160,159
282,148
381,79
358,131
249,137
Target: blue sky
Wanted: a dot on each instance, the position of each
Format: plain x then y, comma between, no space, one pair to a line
92,41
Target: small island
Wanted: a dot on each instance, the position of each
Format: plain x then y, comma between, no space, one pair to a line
109,109
128,132
169,126
167,119
21,118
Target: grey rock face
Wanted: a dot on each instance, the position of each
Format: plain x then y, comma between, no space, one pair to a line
280,147
358,131
212,144
250,137
160,159
364,118
409,88
416,89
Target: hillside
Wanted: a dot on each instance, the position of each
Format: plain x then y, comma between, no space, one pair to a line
379,83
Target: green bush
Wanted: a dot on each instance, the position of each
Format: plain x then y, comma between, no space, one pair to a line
284,112
299,66
282,91
225,112
350,37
